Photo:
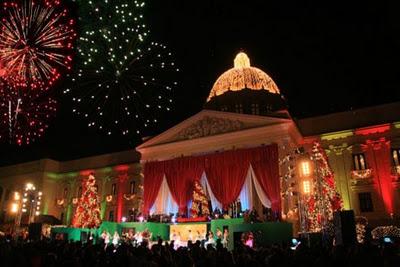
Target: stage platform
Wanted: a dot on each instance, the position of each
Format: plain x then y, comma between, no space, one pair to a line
265,233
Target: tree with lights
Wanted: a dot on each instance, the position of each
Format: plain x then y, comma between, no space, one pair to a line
324,200
122,82
87,214
199,202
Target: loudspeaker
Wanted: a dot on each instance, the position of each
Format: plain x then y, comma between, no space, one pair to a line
345,227
311,239
35,231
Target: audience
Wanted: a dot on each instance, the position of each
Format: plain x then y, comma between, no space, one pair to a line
56,253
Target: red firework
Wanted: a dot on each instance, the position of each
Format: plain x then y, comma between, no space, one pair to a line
36,41
24,114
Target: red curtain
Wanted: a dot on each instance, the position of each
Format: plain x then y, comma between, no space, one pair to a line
180,174
266,168
377,154
226,173
153,176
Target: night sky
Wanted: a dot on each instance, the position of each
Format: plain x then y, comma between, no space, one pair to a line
324,58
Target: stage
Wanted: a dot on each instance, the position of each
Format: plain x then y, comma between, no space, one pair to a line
265,233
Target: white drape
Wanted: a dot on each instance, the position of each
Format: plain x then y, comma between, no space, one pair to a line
246,194
164,203
260,192
204,183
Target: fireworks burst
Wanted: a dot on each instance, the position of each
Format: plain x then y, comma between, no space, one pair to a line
24,114
36,40
124,82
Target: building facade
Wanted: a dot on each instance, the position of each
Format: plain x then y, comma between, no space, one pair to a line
363,151
244,110
118,179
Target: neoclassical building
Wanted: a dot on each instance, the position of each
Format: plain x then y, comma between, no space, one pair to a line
117,177
244,110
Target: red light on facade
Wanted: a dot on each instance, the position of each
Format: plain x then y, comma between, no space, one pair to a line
372,130
121,168
86,172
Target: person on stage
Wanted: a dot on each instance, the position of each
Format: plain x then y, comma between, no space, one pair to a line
198,236
225,238
146,235
219,234
172,235
116,238
139,238
190,235
211,240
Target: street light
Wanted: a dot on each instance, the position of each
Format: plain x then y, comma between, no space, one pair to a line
32,198
305,170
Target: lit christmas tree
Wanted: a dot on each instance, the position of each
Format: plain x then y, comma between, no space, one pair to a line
87,214
200,202
324,199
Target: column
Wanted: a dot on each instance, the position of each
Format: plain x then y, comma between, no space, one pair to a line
121,189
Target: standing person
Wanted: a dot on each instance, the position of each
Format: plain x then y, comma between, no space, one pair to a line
219,234
115,240
190,235
238,207
225,238
210,240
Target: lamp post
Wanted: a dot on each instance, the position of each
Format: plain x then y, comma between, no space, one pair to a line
16,209
31,202
305,170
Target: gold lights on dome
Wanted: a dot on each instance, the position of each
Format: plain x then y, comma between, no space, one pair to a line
243,76
241,61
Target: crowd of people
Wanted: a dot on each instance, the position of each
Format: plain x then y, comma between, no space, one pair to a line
60,253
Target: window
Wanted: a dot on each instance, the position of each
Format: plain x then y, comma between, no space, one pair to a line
224,108
238,108
65,192
111,216
132,187
255,110
359,162
396,156
114,189
365,202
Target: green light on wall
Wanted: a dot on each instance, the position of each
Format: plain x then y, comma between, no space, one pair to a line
69,212
46,208
52,175
336,135
103,210
397,125
106,169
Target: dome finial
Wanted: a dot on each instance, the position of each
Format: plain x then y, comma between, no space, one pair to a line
241,61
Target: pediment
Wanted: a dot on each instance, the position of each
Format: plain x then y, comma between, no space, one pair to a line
211,123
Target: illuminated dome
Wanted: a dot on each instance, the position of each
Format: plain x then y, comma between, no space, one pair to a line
243,76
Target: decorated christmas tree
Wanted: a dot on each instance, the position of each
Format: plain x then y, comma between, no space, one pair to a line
324,200
200,202
87,214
